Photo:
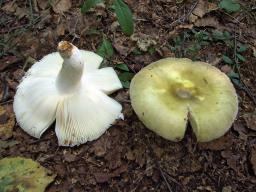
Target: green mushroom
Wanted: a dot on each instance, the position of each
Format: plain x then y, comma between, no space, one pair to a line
170,92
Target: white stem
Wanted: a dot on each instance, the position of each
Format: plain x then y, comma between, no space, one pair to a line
71,72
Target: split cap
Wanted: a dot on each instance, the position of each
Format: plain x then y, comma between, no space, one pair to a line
170,92
68,86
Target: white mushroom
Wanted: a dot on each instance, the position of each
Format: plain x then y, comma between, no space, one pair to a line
68,86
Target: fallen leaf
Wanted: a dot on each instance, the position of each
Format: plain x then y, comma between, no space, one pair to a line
143,41
10,7
42,4
69,157
102,177
201,9
178,29
254,51
250,119
7,61
209,22
227,189
21,174
232,160
61,6
60,30
6,144
7,122
241,130
253,160
226,69
218,144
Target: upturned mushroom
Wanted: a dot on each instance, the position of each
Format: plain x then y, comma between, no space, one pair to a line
68,87
170,92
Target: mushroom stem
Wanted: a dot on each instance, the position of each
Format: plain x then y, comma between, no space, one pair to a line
71,72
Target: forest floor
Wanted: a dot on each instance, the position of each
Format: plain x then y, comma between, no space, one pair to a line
129,157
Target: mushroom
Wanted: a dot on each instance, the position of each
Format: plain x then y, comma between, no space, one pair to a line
68,86
170,92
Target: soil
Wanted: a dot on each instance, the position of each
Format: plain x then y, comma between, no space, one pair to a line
129,157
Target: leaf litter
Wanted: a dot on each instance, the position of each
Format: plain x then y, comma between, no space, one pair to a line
122,160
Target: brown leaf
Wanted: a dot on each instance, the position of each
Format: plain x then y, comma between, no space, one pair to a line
102,177
42,4
226,69
250,120
61,28
61,6
209,22
21,12
253,160
218,144
7,61
7,123
201,9
69,157
10,7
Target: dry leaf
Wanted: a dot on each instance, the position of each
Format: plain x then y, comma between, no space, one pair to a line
61,28
7,61
250,119
226,69
218,144
253,160
7,123
208,22
61,6
10,7
42,4
201,9
143,41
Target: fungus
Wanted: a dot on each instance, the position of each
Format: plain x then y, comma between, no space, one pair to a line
68,86
170,92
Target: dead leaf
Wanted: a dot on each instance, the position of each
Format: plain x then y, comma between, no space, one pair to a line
209,22
201,9
68,156
178,29
227,189
7,61
226,69
218,144
10,7
42,4
143,41
21,12
61,6
6,144
254,51
165,52
241,130
250,119
7,123
102,177
253,160
60,30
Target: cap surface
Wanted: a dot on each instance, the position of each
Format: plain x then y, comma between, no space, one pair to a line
170,92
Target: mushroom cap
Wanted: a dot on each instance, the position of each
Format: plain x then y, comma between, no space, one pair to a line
170,92
82,114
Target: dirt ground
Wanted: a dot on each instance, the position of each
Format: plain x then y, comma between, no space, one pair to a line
129,157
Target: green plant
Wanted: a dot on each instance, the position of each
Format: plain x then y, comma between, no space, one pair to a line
122,11
229,5
125,75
